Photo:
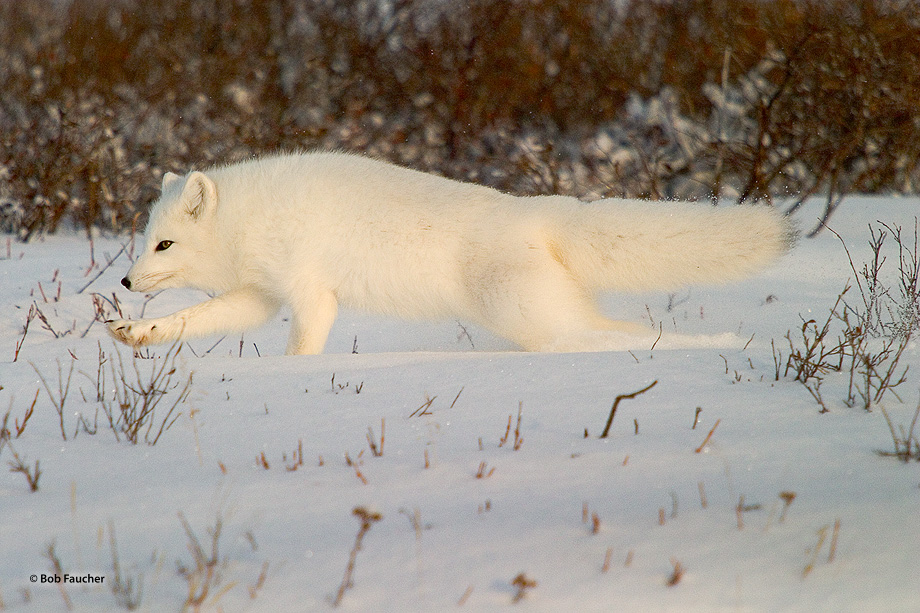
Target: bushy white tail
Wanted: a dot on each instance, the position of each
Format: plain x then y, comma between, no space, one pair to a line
623,245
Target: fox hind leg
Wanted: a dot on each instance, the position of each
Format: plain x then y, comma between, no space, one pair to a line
539,306
542,308
575,324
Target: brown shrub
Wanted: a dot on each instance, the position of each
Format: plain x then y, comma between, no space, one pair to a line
746,99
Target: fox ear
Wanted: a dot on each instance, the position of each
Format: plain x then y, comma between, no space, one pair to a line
169,179
199,195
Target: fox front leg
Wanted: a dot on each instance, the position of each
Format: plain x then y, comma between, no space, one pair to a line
137,332
313,314
234,311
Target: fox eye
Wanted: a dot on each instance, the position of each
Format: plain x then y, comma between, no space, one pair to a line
163,245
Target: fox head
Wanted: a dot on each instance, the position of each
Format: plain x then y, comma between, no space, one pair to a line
180,229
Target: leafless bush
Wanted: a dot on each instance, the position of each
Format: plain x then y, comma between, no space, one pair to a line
18,465
205,574
740,99
57,569
126,588
59,397
18,427
25,331
866,338
137,390
816,353
906,441
367,519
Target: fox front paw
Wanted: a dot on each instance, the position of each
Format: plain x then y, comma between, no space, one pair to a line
134,333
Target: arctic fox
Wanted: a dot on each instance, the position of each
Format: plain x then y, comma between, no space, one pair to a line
313,231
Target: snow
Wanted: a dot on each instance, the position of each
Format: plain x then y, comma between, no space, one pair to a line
446,536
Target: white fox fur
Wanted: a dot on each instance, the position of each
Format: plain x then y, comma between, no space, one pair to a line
317,230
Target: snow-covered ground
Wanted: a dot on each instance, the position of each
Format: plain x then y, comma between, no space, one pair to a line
275,451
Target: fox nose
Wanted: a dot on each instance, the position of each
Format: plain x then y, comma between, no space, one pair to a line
126,283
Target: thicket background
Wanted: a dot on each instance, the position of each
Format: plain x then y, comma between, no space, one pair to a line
748,100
